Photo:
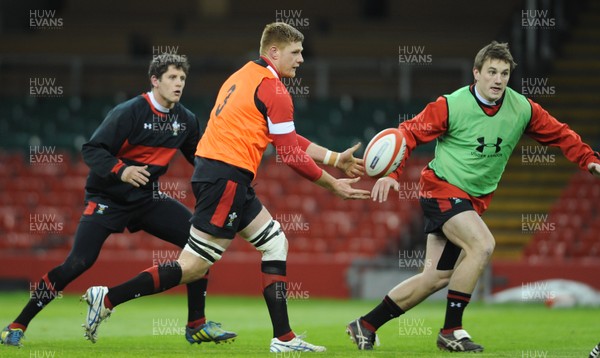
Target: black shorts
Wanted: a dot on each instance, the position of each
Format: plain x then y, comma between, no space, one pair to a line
164,217
436,213
225,201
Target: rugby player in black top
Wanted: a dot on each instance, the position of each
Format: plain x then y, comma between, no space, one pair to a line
127,154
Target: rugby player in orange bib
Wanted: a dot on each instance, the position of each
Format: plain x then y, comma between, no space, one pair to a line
253,109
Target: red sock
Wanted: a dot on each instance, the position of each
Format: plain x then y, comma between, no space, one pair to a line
287,337
107,303
197,323
15,325
450,330
368,325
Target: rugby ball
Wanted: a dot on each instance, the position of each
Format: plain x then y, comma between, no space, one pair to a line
384,153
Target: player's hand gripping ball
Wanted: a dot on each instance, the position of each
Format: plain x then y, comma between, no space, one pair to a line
384,153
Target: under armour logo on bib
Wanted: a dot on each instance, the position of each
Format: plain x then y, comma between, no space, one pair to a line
482,144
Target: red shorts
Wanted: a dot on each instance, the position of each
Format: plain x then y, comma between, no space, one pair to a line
440,189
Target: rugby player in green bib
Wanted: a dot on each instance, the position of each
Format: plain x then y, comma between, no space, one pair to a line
476,128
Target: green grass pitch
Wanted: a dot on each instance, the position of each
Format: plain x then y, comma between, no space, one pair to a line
152,327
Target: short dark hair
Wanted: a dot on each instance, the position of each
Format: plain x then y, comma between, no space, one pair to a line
279,34
494,51
160,64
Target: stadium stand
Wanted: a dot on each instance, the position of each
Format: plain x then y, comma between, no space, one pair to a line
575,101
352,75
44,205
572,224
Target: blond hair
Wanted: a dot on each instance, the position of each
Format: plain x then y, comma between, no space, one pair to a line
279,34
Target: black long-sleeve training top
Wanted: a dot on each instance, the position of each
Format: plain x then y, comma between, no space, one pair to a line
136,132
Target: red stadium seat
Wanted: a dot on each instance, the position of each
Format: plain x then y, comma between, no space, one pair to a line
7,198
577,222
325,223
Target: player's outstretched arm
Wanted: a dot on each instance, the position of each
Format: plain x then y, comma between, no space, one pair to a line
350,165
344,161
342,187
594,168
382,187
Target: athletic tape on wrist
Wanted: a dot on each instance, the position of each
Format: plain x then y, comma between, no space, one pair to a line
327,157
331,158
